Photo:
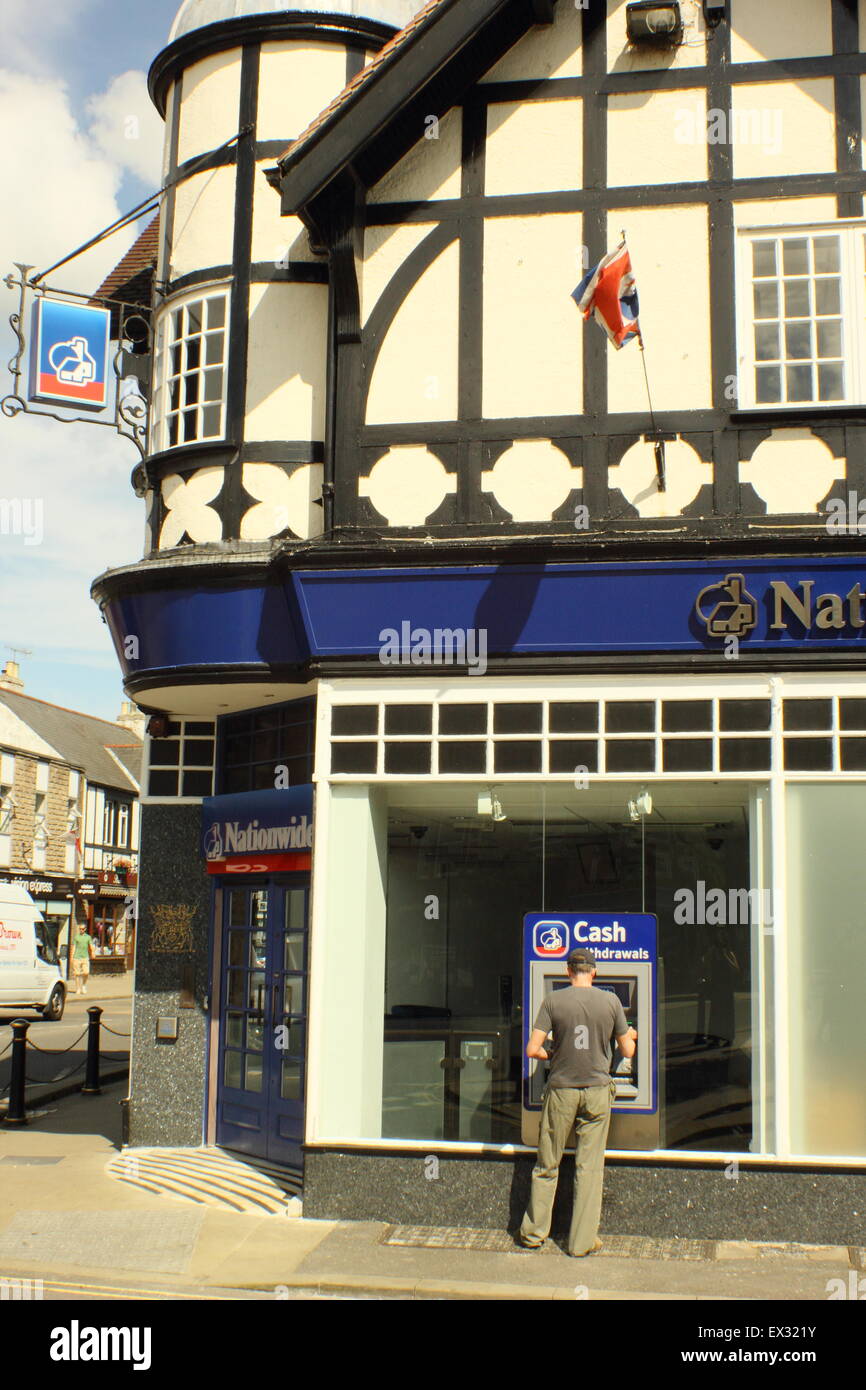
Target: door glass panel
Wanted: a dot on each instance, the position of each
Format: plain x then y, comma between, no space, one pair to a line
255,1035
294,952
256,992
234,1030
258,949
295,905
233,1070
237,907
259,908
253,1073
237,947
236,989
295,1039
293,995
291,1079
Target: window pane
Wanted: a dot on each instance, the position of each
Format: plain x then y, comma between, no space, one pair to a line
828,297
797,304
831,383
795,256
190,389
764,258
767,300
799,383
798,340
211,421
213,350
176,324
194,316
216,312
826,254
830,338
463,719
409,719
213,384
462,757
193,354
190,425
767,342
768,385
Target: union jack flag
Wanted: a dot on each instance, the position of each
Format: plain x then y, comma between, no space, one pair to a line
609,292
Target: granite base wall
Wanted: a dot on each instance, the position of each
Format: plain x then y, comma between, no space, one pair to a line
167,1079
697,1202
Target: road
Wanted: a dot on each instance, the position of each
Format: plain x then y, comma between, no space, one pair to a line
70,1032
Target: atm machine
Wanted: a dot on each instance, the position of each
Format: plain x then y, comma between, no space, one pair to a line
625,948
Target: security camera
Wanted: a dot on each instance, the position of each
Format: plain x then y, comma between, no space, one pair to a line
419,831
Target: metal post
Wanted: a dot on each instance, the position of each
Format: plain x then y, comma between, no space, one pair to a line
91,1085
16,1114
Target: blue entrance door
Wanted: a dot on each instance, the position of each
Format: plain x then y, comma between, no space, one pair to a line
263,1019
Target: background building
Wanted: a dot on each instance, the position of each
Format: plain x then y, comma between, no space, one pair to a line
413,542
69,820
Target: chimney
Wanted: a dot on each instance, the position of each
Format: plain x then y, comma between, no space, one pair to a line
10,678
131,718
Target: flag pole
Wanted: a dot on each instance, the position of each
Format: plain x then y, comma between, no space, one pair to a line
658,443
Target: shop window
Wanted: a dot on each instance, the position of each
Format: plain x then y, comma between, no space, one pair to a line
630,716
852,714
355,719
353,757
808,755
807,715
463,757
745,755
687,716
463,719
567,755
517,756
181,762
189,379
687,755
409,719
801,310
853,754
517,719
577,717
263,748
631,755
407,757
744,716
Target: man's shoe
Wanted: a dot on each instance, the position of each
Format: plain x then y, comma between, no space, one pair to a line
594,1251
527,1244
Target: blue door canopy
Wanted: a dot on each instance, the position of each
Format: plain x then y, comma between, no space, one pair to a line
779,604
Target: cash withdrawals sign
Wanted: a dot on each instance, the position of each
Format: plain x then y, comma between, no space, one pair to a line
69,354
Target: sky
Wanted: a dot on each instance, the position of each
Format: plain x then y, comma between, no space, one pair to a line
82,145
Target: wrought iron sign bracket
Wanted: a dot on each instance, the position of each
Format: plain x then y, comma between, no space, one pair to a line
130,407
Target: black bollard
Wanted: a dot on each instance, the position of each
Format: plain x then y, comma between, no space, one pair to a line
17,1114
91,1085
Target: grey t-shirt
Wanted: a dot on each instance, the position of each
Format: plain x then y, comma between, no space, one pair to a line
582,1022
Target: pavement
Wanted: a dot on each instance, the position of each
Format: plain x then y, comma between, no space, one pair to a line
65,1221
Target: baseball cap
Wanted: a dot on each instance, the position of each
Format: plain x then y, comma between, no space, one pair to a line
581,958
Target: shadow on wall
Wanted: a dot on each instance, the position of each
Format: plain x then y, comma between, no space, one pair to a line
504,608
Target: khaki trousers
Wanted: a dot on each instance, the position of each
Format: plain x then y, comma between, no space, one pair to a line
588,1109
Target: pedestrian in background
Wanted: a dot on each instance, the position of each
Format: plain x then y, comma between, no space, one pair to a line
578,1096
82,954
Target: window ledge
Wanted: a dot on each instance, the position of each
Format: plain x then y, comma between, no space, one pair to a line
795,415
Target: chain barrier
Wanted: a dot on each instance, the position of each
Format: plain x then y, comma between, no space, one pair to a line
55,1051
52,1080
114,1032
20,1078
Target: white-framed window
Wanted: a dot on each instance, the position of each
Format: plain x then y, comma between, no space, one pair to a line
802,316
109,821
123,824
189,373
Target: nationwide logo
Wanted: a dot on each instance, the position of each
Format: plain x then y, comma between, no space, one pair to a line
550,939
233,837
726,608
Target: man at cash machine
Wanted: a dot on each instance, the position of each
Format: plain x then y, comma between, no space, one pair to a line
579,1094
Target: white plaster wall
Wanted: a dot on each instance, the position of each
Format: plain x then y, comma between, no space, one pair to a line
385,250
276,237
785,211
430,169
771,29
407,485
415,377
204,215
286,363
533,334
792,471
623,56
210,102
348,965
657,137
548,50
670,259
532,480
534,146
296,82
783,128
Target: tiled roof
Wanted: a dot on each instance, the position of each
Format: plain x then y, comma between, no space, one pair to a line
363,79
140,257
82,740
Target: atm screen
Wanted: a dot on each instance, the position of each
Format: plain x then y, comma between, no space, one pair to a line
624,987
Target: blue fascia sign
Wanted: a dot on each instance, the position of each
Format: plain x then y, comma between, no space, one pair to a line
257,823
69,354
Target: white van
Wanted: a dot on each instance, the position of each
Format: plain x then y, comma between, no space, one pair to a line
29,970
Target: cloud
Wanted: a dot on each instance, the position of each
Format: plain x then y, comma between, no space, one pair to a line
127,128
34,32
